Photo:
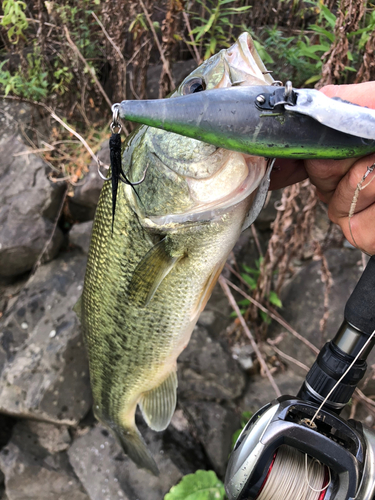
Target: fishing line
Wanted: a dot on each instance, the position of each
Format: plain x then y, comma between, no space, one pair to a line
355,199
293,475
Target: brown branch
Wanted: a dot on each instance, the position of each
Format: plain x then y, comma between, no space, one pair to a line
59,120
287,357
198,59
91,70
233,303
256,239
48,242
277,318
161,51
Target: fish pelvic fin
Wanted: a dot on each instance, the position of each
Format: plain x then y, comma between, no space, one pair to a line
150,272
134,446
159,404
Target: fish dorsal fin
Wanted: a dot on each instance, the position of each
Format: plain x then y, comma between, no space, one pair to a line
158,405
150,272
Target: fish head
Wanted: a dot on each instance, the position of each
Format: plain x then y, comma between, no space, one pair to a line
240,64
189,180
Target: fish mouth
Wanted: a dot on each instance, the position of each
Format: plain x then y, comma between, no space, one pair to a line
244,65
208,205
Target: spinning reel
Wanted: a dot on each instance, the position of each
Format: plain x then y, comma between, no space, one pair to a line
299,448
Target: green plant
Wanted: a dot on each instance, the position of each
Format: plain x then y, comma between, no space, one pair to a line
245,417
14,19
216,30
202,485
31,84
250,276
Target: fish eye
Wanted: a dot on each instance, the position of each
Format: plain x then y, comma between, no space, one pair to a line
194,85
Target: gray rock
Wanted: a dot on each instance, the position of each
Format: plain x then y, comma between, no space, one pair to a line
108,474
80,235
82,204
29,206
43,364
303,304
207,371
15,112
32,472
260,392
215,426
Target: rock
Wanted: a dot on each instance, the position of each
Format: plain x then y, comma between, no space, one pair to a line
207,371
15,112
108,474
80,235
82,204
32,471
28,209
43,364
260,392
215,426
303,304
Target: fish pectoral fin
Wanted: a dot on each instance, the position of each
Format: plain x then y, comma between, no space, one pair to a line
150,272
159,404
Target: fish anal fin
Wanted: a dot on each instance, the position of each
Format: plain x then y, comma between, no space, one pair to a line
150,272
158,405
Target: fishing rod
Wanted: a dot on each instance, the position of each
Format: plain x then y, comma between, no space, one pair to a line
298,447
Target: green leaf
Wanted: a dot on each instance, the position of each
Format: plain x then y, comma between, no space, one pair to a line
202,485
328,16
313,79
274,299
249,280
265,317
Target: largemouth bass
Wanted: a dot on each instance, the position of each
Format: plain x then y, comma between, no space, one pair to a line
148,280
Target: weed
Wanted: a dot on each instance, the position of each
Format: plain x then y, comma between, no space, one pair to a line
217,29
250,276
14,19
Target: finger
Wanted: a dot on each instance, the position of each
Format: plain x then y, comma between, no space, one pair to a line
286,172
326,175
341,201
361,93
363,239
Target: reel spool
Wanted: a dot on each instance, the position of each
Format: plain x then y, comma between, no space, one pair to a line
294,475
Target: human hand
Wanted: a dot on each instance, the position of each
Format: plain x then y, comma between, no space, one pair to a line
337,180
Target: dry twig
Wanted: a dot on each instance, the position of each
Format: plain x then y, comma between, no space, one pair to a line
91,70
274,316
59,120
233,303
287,357
48,242
162,56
